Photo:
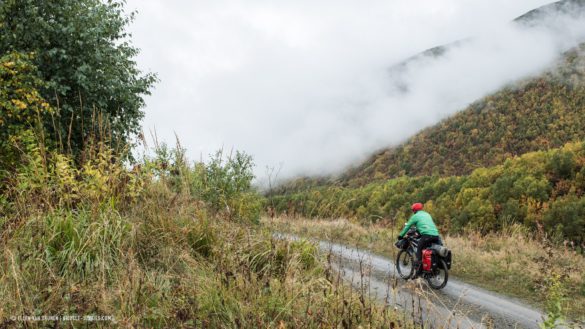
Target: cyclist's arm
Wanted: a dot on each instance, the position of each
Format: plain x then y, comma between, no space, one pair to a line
411,221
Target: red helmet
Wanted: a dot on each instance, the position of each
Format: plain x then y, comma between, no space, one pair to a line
416,207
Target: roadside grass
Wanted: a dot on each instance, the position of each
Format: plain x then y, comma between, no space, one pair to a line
513,262
130,245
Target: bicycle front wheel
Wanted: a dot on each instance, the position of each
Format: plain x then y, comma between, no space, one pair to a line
405,264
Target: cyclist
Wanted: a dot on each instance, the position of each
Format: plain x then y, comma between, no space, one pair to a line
424,224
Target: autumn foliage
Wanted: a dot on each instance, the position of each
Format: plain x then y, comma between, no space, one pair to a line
539,188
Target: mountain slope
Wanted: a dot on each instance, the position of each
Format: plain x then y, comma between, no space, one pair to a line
535,17
539,15
540,113
543,189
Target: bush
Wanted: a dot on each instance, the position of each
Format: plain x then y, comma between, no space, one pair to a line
225,183
567,217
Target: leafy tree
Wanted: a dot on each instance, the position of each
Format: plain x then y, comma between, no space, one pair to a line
502,188
514,211
84,55
531,187
476,210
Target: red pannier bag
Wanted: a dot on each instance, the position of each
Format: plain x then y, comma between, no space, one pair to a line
427,257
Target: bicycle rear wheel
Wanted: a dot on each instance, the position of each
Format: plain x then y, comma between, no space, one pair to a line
438,279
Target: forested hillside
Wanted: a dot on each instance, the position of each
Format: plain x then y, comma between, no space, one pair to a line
540,190
538,114
515,156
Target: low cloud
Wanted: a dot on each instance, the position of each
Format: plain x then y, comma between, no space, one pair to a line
309,84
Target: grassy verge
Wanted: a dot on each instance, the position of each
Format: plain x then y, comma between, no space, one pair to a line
511,262
145,249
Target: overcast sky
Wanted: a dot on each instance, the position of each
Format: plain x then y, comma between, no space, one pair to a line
306,84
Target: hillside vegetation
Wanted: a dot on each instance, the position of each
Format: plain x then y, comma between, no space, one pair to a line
538,114
545,188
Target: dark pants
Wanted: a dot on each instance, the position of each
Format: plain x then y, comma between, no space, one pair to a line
424,242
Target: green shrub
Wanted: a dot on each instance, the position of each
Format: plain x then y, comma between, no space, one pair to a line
567,216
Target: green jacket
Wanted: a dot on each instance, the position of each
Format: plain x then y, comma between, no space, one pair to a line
423,222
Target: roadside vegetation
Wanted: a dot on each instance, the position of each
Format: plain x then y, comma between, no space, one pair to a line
165,244
153,242
517,228
514,261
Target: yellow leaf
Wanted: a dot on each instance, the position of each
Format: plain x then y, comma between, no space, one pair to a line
18,103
